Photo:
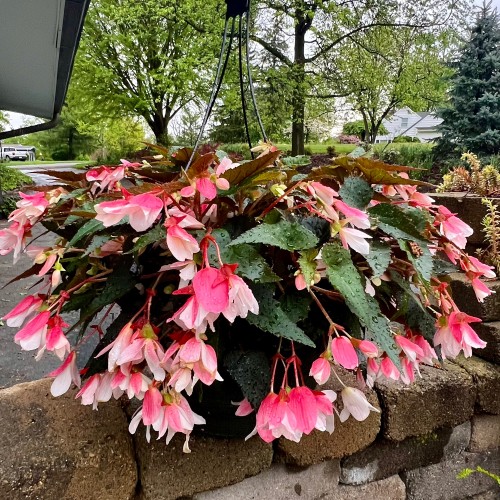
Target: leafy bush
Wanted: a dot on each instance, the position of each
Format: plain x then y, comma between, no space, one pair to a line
412,155
358,128
11,179
404,139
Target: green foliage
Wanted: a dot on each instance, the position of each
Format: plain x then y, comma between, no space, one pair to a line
491,229
417,155
11,179
147,58
358,128
398,223
284,234
472,117
345,278
379,258
272,318
467,472
356,192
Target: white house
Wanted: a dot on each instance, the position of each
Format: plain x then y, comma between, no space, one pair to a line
404,121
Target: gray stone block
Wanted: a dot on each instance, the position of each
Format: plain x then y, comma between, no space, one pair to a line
282,483
485,433
392,488
441,398
56,448
440,482
490,333
465,298
385,458
166,473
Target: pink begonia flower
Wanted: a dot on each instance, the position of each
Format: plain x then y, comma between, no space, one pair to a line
244,408
275,419
64,375
302,403
472,265
32,335
241,299
187,271
320,370
180,243
108,177
23,311
142,211
429,354
455,334
451,252
29,208
352,238
144,345
300,282
225,164
130,380
344,353
389,369
117,346
411,195
411,349
354,216
175,415
129,164
452,227
186,220
408,371
192,315
212,289
368,348
98,389
324,405
326,195
12,239
372,371
480,289
355,404
151,407
56,340
192,356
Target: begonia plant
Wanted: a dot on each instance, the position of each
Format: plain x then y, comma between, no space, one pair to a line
264,275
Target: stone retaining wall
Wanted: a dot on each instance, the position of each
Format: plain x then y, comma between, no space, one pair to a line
425,436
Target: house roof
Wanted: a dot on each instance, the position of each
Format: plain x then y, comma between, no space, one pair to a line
38,42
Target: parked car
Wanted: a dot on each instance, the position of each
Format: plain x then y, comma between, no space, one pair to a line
16,152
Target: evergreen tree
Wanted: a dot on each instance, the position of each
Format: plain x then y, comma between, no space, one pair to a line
472,121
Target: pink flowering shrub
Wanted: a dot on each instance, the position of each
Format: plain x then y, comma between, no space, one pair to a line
348,139
263,275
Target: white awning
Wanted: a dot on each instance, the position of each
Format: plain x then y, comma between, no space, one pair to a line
38,42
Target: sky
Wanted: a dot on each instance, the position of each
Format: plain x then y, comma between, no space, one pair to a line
16,119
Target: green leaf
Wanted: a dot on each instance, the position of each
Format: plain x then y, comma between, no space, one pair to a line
284,234
423,264
90,227
152,236
97,242
345,278
251,264
356,192
308,263
379,258
296,306
273,319
396,222
251,371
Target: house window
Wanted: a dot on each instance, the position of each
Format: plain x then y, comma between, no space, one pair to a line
404,123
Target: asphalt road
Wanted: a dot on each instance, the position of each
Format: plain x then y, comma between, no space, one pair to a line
40,179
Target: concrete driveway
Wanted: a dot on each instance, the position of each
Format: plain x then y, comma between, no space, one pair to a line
40,179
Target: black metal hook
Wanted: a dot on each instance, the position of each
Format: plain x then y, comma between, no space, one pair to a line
235,9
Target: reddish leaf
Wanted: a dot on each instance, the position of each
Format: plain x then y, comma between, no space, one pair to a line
201,164
65,175
237,175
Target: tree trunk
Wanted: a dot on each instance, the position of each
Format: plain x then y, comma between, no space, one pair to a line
299,76
159,125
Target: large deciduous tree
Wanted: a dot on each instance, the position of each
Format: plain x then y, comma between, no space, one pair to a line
384,69
317,28
150,58
472,120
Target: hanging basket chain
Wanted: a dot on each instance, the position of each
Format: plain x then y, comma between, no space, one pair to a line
235,9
